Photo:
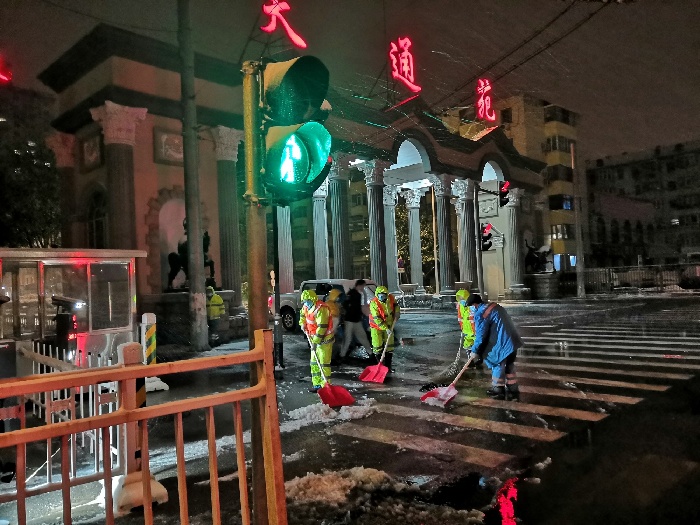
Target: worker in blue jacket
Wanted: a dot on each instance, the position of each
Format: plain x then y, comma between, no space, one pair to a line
496,342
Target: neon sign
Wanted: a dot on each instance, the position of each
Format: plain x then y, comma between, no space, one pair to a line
484,109
504,500
274,10
402,63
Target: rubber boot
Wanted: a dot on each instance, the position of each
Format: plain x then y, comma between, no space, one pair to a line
387,361
497,392
512,393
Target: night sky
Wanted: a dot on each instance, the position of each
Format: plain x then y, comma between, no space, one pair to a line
632,70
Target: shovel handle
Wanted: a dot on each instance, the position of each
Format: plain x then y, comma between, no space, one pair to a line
381,359
318,362
464,369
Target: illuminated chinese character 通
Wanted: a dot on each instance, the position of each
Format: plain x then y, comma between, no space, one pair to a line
274,10
484,110
402,63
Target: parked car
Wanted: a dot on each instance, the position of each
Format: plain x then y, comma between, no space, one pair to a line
290,303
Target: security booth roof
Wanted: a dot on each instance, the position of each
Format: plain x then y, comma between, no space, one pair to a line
48,254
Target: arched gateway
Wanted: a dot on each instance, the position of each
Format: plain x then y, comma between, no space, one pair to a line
119,118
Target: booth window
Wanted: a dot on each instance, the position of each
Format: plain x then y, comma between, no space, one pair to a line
67,280
109,291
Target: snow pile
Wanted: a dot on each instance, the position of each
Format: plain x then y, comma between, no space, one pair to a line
370,496
320,413
543,464
293,457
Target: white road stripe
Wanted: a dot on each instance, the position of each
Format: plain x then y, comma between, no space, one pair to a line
660,352
636,373
606,338
535,433
624,333
662,364
577,394
592,381
570,413
435,447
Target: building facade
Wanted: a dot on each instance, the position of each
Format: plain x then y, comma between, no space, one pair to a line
665,180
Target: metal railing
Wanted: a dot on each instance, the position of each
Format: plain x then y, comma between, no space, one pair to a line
658,278
132,423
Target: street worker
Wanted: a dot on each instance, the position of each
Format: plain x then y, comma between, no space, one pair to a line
497,342
215,310
354,327
317,324
466,321
384,312
333,301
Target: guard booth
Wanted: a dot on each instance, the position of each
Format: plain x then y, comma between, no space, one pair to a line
75,306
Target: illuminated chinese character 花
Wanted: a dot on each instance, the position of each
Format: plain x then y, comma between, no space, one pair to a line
484,110
402,63
274,10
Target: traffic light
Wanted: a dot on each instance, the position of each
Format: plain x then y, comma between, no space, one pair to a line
486,237
503,189
5,72
297,145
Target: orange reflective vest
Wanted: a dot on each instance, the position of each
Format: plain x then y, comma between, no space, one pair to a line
317,322
379,310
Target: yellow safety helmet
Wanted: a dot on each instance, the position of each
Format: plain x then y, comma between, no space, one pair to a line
381,289
309,295
462,295
333,294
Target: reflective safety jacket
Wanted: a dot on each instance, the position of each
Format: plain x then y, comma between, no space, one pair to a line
318,323
382,315
468,329
215,307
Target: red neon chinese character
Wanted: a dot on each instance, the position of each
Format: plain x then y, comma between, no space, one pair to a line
402,64
274,11
484,112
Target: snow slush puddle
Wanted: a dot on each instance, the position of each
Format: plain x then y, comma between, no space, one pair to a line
366,496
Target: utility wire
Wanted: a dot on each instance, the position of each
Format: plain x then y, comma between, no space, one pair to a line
99,19
508,54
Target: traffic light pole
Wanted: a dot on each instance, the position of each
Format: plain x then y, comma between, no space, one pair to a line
279,343
477,234
257,265
580,262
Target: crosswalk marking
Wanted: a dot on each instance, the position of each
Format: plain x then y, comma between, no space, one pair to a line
618,362
473,455
593,381
607,339
535,433
544,410
577,394
660,355
622,333
608,371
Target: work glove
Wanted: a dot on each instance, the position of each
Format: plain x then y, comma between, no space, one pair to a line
477,359
388,333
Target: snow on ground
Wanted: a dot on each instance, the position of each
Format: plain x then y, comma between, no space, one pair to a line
164,458
543,464
370,496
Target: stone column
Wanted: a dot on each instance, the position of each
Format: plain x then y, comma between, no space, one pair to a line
227,141
516,286
119,130
415,256
374,179
470,231
340,221
321,258
392,254
63,147
284,245
443,193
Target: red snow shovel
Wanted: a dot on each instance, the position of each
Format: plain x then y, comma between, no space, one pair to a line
377,373
333,396
440,396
